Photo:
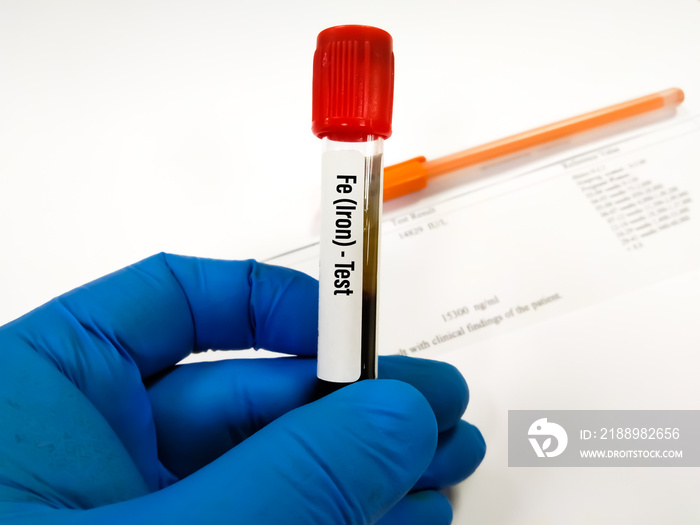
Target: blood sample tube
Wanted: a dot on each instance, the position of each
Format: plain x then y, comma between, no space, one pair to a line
353,90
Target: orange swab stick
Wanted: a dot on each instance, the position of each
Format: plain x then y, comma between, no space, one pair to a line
412,175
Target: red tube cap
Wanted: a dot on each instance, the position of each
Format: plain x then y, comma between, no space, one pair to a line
353,88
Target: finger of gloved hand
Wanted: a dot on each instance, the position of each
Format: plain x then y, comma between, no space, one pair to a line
161,309
247,304
201,410
441,383
107,336
346,458
460,451
426,507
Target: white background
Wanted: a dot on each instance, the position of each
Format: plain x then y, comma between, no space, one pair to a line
132,127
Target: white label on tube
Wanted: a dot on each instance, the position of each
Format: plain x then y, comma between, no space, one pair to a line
340,267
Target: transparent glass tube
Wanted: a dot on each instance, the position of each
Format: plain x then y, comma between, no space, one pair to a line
351,213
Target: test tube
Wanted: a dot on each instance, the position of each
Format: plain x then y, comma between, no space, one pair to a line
353,90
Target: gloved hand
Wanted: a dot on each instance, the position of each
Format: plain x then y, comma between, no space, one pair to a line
98,425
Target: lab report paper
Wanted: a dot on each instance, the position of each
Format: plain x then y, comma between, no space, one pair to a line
570,285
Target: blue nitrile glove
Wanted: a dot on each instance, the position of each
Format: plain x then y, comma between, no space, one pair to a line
97,425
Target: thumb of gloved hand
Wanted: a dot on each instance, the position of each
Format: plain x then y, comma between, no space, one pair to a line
346,458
